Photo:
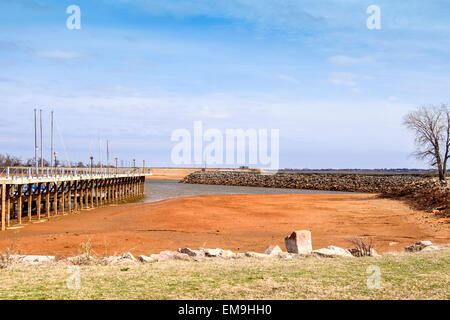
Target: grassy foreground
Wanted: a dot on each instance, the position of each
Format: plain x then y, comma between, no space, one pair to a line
407,276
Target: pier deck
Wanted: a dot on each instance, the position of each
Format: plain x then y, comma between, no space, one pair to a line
35,194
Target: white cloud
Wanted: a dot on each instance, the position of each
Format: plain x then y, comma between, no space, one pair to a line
60,54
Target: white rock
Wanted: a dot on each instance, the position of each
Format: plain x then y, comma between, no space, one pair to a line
273,251
227,254
212,253
333,252
251,254
35,260
373,253
146,259
128,256
172,255
125,259
285,255
430,248
192,253
299,242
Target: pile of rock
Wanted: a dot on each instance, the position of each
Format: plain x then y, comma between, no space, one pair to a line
298,245
424,245
26,260
349,182
124,259
430,195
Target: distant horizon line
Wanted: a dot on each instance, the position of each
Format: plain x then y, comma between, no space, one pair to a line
246,168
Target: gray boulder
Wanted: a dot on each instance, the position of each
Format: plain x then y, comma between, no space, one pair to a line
192,253
146,259
418,246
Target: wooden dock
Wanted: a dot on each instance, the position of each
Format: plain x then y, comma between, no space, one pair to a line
37,194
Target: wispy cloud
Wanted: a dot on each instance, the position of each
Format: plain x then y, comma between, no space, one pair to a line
288,13
60,54
343,79
9,46
288,78
29,4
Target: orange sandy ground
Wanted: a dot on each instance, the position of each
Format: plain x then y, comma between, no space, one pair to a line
237,222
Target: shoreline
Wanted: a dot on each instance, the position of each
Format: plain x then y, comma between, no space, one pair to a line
180,173
234,222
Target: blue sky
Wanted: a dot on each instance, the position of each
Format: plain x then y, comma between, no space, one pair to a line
139,69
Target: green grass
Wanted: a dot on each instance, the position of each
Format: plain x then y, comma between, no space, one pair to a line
407,276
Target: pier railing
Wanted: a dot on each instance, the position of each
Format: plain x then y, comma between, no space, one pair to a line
24,173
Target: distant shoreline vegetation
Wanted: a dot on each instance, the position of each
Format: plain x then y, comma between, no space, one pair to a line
8,160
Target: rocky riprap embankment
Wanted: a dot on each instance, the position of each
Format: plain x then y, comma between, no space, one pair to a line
347,182
430,195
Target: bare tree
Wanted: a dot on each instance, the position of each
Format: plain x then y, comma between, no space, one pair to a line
431,126
80,164
447,138
364,247
9,161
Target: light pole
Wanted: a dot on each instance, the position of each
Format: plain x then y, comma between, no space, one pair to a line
51,141
42,141
92,163
36,161
55,155
117,162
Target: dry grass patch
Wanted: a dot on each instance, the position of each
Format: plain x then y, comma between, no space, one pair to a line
407,276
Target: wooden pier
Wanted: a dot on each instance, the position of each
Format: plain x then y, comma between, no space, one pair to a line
36,194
